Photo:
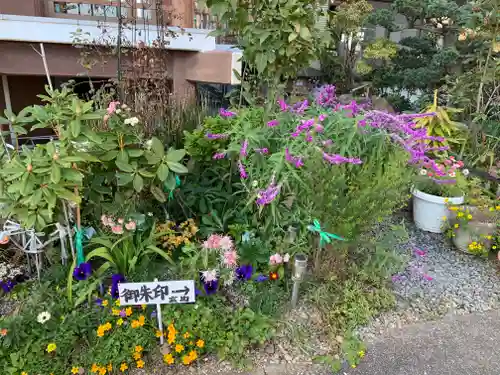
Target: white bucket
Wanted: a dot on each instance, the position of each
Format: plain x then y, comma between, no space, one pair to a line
429,210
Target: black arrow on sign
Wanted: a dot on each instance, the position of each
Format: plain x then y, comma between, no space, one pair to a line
185,290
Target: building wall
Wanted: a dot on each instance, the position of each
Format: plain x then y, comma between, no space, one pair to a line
22,7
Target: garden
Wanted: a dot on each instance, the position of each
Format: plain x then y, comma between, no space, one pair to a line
302,222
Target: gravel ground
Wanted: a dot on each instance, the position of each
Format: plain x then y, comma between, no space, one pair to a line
437,281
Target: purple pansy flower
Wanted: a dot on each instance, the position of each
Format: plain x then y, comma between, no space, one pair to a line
115,280
244,272
211,287
261,278
83,271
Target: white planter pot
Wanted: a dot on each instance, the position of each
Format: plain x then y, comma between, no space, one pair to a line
474,232
429,210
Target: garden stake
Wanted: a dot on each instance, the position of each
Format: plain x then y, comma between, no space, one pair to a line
160,322
324,238
299,269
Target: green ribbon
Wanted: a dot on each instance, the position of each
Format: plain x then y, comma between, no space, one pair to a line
79,246
324,237
177,184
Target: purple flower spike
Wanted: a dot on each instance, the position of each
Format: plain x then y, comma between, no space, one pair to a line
296,161
339,159
211,287
219,155
83,271
244,147
264,150
225,113
244,272
282,105
326,97
216,136
241,168
273,123
268,195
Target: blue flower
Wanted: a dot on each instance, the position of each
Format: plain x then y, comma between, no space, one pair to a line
115,280
98,301
7,286
261,278
211,287
244,272
83,271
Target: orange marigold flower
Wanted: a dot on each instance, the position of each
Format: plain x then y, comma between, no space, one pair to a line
138,348
200,343
128,311
140,363
137,356
179,348
168,359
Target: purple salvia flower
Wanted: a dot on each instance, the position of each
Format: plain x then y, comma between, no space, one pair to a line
322,117
318,128
267,195
339,159
326,97
282,105
273,123
309,137
263,150
216,136
225,113
244,147
219,155
296,161
241,168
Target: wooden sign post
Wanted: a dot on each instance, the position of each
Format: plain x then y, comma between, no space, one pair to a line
157,293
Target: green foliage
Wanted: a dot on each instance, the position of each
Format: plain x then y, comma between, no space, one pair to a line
228,332
278,37
73,331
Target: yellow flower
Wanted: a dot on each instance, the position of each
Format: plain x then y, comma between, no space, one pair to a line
186,335
168,359
140,363
115,312
102,371
119,321
497,208
454,208
75,370
128,311
138,348
105,303
494,247
444,218
469,216
171,338
179,348
193,355
51,347
456,225
142,320
446,200
158,333
123,367
135,324
94,368
136,356
200,343
110,367
353,366
460,214
186,360
361,353
144,307
24,373
117,303
489,237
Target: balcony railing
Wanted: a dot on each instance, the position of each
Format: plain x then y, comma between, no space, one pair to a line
102,10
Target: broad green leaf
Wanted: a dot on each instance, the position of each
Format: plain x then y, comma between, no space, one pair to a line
157,147
110,155
138,183
170,182
176,167
55,173
124,178
158,194
292,36
260,61
305,33
122,156
124,166
162,172
100,252
75,127
68,195
135,153
93,136
175,155
152,158
72,175
147,174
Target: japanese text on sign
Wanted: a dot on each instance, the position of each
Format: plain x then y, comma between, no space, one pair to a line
157,292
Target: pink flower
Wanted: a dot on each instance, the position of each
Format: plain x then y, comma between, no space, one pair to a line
229,258
226,243
275,259
209,276
322,117
420,253
131,225
286,258
212,242
427,277
120,221
104,220
117,229
283,105
272,123
112,107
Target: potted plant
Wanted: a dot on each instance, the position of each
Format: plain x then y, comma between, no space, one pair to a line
437,185
473,226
